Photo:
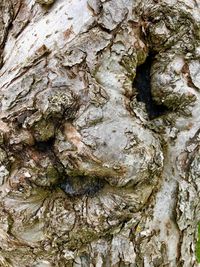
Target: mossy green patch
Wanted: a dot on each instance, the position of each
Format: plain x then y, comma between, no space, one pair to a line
83,236
43,130
198,245
52,174
141,56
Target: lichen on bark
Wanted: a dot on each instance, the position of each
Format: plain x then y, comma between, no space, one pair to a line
90,175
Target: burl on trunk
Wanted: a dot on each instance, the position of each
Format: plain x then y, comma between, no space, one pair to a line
99,133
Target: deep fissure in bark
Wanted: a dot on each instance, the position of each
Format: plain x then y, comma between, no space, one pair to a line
142,83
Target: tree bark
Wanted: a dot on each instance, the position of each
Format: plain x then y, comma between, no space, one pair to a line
99,133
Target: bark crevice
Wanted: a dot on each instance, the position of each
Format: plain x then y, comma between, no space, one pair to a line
142,83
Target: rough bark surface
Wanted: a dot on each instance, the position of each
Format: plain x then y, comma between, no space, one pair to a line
99,133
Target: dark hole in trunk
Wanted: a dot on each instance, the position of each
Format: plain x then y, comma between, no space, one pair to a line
81,185
45,146
142,83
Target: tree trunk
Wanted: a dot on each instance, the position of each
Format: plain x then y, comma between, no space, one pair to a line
99,133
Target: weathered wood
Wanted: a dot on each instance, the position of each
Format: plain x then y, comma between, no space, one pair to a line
99,133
